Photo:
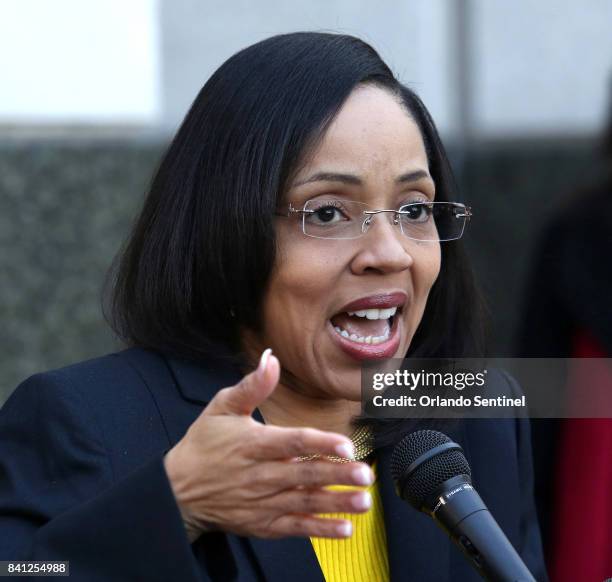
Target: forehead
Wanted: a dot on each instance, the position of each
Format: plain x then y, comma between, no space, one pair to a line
372,131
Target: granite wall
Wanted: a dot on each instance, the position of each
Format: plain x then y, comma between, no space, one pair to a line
65,208
66,205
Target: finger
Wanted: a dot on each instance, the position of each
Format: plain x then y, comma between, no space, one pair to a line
275,476
310,501
310,526
250,392
275,442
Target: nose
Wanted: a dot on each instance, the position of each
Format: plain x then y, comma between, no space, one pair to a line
383,248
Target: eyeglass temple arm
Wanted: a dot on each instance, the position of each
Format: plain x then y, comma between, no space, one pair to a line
466,214
291,210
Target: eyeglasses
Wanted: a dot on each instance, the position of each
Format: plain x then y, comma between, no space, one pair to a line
333,218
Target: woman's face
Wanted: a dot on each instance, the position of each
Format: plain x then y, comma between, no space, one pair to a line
318,285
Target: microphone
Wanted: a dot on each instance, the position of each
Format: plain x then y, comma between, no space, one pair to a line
432,474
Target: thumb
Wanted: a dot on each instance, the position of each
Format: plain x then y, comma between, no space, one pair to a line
250,392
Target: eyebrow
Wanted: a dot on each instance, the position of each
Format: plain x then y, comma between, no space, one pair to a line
354,180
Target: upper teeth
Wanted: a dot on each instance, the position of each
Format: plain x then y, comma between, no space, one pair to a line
375,313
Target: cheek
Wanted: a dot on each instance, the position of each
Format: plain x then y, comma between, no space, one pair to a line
425,272
436,264
428,268
299,288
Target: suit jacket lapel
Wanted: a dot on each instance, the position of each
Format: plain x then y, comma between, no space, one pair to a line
199,382
163,377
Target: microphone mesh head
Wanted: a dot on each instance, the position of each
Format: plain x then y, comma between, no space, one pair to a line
424,481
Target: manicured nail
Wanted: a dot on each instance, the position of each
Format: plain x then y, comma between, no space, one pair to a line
263,362
363,476
346,451
345,529
362,500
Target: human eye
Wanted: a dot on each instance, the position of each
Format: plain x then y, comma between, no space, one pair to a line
416,211
327,212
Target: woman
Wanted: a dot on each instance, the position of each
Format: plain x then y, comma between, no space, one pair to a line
197,454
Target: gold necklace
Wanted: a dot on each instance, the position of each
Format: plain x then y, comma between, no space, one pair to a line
363,443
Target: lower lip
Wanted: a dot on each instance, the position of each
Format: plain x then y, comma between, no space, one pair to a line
381,351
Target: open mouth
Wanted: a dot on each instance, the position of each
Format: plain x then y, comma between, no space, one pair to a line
365,326
370,328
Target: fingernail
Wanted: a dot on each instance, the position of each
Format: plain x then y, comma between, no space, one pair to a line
363,476
362,500
263,362
346,451
345,529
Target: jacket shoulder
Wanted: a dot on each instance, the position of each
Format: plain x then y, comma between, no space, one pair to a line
97,378
108,395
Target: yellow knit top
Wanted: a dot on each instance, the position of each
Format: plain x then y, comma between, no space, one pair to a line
363,556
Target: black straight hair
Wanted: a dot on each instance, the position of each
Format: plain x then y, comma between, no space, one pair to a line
195,268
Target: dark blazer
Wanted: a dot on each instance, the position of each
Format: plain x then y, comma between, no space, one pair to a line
82,479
